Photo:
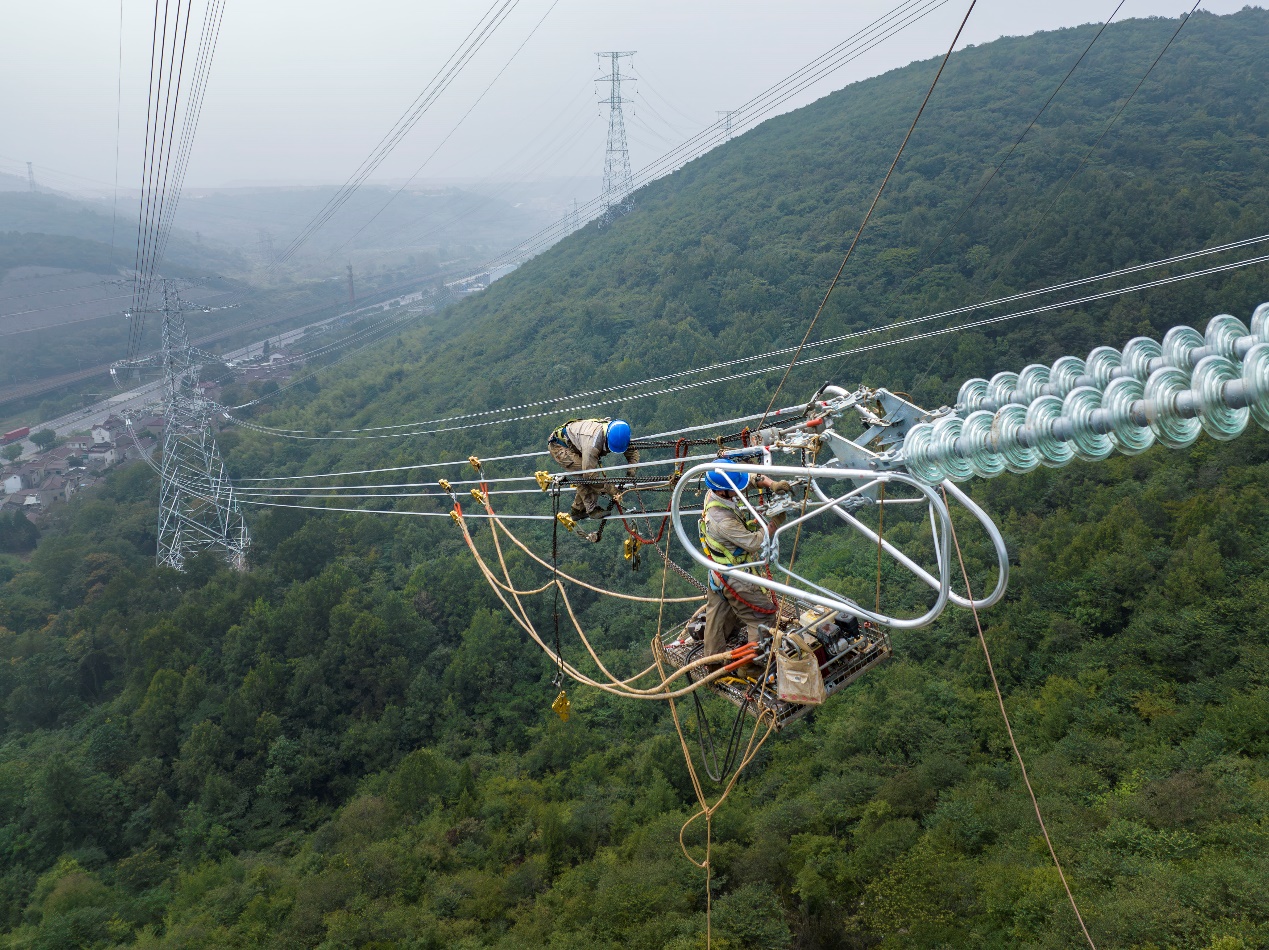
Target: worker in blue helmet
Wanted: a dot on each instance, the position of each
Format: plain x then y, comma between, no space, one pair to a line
730,536
578,446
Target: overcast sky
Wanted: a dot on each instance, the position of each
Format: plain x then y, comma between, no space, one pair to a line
301,90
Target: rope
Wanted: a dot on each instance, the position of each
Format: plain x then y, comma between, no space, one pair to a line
860,233
555,581
995,685
580,583
622,688
706,809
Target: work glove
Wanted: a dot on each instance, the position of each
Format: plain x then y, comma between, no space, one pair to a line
777,521
780,487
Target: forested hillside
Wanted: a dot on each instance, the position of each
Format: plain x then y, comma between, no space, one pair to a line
351,745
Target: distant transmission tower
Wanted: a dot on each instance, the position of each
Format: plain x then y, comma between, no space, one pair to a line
198,510
618,180
725,118
30,176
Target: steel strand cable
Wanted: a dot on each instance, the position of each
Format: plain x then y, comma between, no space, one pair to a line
1023,295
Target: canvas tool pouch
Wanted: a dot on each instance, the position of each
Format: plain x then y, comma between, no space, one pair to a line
798,679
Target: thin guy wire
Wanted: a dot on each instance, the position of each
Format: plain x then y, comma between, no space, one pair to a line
876,198
1078,168
1013,148
114,213
750,112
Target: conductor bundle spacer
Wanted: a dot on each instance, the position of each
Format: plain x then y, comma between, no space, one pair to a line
1112,401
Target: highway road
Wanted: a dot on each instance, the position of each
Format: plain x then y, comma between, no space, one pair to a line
134,402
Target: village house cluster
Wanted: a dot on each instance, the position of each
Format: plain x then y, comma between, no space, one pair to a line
34,483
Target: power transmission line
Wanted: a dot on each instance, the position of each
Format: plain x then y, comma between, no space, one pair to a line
869,37
474,41
455,128
418,429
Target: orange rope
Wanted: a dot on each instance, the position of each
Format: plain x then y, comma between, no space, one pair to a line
995,684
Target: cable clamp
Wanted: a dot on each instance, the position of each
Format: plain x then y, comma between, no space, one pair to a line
566,520
475,462
444,485
478,495
630,548
456,516
544,480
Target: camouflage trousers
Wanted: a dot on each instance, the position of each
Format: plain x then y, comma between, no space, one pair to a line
587,496
725,612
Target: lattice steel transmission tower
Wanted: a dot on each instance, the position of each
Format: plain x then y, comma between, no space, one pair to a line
725,118
198,510
618,180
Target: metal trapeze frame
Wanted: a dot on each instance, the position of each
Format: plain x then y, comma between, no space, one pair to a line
865,481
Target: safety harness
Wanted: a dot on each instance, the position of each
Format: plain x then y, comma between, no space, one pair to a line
719,553
561,437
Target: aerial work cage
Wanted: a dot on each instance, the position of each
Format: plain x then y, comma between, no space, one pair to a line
1125,401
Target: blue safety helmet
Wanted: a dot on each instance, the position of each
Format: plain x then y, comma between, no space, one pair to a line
719,480
619,435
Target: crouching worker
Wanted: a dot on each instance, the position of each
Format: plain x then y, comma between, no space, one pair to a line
729,536
579,445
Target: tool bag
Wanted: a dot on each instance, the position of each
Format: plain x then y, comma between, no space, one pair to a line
798,679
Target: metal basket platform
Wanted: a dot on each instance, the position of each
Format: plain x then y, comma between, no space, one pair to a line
838,672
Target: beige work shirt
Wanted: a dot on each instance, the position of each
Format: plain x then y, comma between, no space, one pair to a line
589,437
